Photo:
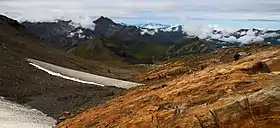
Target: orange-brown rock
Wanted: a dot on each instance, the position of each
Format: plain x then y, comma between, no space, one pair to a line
232,94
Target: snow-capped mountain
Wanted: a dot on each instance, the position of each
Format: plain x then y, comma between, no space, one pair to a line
153,28
60,33
65,33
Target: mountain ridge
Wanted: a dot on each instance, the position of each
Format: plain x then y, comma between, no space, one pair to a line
125,38
151,32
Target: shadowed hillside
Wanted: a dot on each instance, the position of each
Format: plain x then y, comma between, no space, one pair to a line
25,84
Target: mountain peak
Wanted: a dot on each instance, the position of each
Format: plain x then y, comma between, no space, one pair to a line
104,20
7,20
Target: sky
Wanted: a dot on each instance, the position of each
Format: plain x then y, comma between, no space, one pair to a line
204,13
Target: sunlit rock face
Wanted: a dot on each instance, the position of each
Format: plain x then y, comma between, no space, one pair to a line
17,116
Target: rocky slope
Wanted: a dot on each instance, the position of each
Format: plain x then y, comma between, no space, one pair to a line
25,84
209,90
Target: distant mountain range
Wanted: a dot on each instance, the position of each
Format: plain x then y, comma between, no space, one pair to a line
110,40
105,39
64,33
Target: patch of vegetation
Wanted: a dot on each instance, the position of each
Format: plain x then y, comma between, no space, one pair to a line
113,48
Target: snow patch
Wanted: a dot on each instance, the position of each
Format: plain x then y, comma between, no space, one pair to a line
71,34
149,32
243,33
17,116
152,28
65,77
79,34
171,28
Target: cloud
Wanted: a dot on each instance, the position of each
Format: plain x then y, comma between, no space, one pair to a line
204,31
84,22
225,33
259,10
250,36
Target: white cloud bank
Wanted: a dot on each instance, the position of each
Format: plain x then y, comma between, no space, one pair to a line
203,31
225,33
84,22
248,37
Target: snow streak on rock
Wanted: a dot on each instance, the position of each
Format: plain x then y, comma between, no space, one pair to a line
64,77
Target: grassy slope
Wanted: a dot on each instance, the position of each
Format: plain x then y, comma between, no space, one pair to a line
150,50
136,49
114,49
191,98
